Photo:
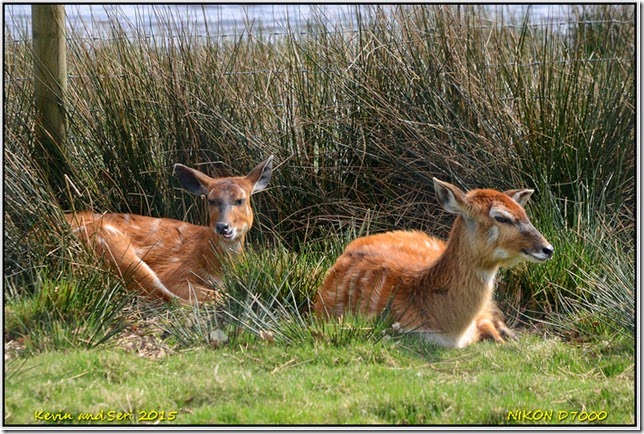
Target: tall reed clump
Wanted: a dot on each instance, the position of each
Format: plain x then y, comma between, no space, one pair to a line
268,296
359,119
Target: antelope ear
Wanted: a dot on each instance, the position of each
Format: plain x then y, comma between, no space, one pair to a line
450,197
192,180
520,196
261,175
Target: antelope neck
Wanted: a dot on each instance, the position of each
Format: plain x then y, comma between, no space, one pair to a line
460,266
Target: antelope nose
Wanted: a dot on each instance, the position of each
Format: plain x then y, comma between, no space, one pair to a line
548,250
222,228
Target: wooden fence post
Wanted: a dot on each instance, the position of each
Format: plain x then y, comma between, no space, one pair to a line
50,86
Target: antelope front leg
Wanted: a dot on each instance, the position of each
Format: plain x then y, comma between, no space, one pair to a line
490,324
116,249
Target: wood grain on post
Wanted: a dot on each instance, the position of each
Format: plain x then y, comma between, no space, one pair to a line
50,86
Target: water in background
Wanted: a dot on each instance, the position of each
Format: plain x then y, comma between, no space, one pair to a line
225,20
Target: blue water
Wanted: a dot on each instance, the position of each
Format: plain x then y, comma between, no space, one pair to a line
90,20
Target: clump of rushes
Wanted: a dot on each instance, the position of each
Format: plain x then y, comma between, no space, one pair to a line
266,293
267,296
80,313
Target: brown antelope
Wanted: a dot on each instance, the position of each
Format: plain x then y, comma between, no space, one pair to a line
442,290
171,259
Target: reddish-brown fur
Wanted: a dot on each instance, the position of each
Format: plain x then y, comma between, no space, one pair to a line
171,259
443,290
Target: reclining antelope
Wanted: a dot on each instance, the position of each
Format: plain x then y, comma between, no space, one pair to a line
170,259
442,290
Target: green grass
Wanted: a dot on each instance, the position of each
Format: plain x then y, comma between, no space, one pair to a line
394,381
65,314
279,365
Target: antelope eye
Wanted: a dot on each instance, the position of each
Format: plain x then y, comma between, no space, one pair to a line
502,219
214,202
239,202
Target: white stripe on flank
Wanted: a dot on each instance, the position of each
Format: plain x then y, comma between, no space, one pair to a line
432,245
374,296
111,229
79,229
155,279
154,226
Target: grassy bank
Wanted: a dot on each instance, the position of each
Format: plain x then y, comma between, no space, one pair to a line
389,382
359,122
